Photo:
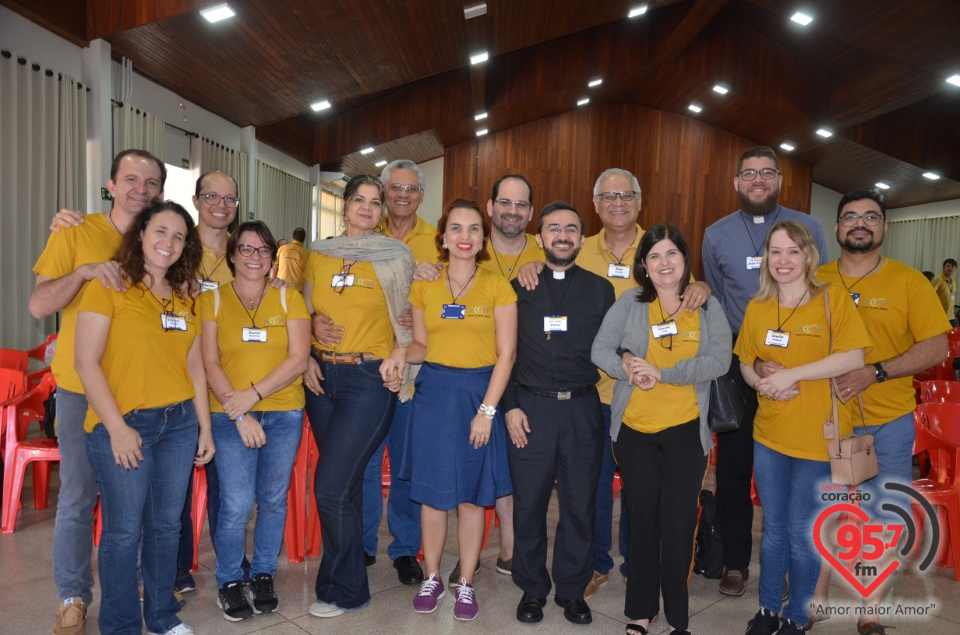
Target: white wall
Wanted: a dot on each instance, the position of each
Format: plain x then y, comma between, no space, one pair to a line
21,36
823,207
930,210
433,199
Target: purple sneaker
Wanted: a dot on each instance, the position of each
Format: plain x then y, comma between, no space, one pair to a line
466,607
431,590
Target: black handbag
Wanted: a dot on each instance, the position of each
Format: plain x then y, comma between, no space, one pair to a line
727,406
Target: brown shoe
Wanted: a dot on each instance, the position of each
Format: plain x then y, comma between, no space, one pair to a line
871,628
176,593
71,618
599,579
732,581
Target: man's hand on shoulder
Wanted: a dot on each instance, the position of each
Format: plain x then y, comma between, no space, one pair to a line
66,218
528,275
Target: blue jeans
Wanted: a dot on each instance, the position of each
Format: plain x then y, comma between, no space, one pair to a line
603,527
147,499
349,422
403,514
894,443
247,474
790,492
73,531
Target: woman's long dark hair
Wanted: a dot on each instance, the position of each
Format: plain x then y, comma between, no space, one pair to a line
663,231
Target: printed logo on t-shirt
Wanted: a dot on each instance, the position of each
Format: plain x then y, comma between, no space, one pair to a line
875,303
366,283
691,336
275,321
809,330
479,311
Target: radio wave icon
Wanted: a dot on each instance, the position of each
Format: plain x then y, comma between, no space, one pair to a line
908,522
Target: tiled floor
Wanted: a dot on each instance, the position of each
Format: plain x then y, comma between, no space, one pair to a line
29,603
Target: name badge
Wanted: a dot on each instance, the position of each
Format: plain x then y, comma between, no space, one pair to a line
171,322
754,262
777,338
618,271
253,334
856,297
554,323
453,311
206,285
342,280
664,329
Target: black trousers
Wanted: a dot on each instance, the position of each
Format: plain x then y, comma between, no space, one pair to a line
565,442
662,474
734,470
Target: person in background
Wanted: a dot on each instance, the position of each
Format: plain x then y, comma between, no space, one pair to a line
292,258
946,288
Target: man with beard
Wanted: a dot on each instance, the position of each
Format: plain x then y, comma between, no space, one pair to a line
946,288
732,255
510,209
554,419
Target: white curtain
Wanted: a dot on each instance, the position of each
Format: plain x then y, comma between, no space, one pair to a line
283,200
923,243
43,118
134,128
215,157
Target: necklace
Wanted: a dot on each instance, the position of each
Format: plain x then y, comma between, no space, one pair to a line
110,218
844,282
496,255
462,286
253,303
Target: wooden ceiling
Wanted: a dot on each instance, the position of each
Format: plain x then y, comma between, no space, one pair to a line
398,73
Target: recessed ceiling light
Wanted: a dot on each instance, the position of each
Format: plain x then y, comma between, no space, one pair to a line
584,101
823,132
475,11
789,147
218,12
367,151
694,108
595,82
479,116
719,88
801,18
320,105
634,12
954,79
882,185
380,164
482,132
479,58
933,176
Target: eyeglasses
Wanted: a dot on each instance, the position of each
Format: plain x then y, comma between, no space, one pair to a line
341,281
667,342
214,199
400,187
766,174
851,219
609,197
248,250
506,203
556,229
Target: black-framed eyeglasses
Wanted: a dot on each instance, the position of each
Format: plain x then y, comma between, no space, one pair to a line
212,198
609,197
870,218
667,342
506,203
341,282
400,187
249,250
767,174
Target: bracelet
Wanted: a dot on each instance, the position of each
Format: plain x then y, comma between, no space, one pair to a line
239,418
487,411
259,396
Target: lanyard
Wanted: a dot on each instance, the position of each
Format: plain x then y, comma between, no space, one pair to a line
780,324
253,318
756,250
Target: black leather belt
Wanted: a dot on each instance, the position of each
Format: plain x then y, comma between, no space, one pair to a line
561,395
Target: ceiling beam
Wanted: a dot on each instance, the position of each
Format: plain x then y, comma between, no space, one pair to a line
107,17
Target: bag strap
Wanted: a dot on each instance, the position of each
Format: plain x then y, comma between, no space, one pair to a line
283,299
216,302
830,427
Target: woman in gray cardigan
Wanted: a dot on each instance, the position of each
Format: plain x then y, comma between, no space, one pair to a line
663,359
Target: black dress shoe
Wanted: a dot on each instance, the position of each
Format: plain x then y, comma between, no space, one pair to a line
370,560
530,609
575,611
408,570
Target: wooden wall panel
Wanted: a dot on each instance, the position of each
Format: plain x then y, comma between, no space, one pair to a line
685,167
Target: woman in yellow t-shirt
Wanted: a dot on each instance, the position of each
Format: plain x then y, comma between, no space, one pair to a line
663,359
465,335
256,340
359,282
140,365
786,327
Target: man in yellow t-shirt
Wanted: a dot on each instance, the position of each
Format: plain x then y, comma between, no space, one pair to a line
72,257
510,209
900,311
946,288
292,258
217,203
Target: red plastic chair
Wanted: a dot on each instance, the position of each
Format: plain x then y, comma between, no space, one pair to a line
14,359
942,371
939,391
942,486
20,451
39,352
13,383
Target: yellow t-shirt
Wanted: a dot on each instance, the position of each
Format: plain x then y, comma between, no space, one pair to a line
666,405
508,265
291,259
947,293
421,240
470,342
899,308
795,427
361,308
214,268
245,362
95,240
145,365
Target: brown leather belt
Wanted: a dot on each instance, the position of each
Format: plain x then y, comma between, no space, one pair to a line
348,358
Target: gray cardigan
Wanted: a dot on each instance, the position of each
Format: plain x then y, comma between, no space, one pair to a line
626,327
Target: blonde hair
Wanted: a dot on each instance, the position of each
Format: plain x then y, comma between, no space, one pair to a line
798,233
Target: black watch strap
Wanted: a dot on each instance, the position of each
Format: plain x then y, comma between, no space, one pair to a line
881,373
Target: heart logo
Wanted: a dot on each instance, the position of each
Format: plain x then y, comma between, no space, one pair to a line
818,541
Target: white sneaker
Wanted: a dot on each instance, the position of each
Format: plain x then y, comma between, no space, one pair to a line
324,609
179,629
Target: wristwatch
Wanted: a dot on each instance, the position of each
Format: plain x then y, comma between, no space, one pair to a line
881,374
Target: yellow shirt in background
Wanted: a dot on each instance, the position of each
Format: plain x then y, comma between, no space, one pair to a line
508,265
421,240
95,240
899,308
666,405
245,362
795,427
470,342
291,259
214,267
145,365
946,292
361,309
